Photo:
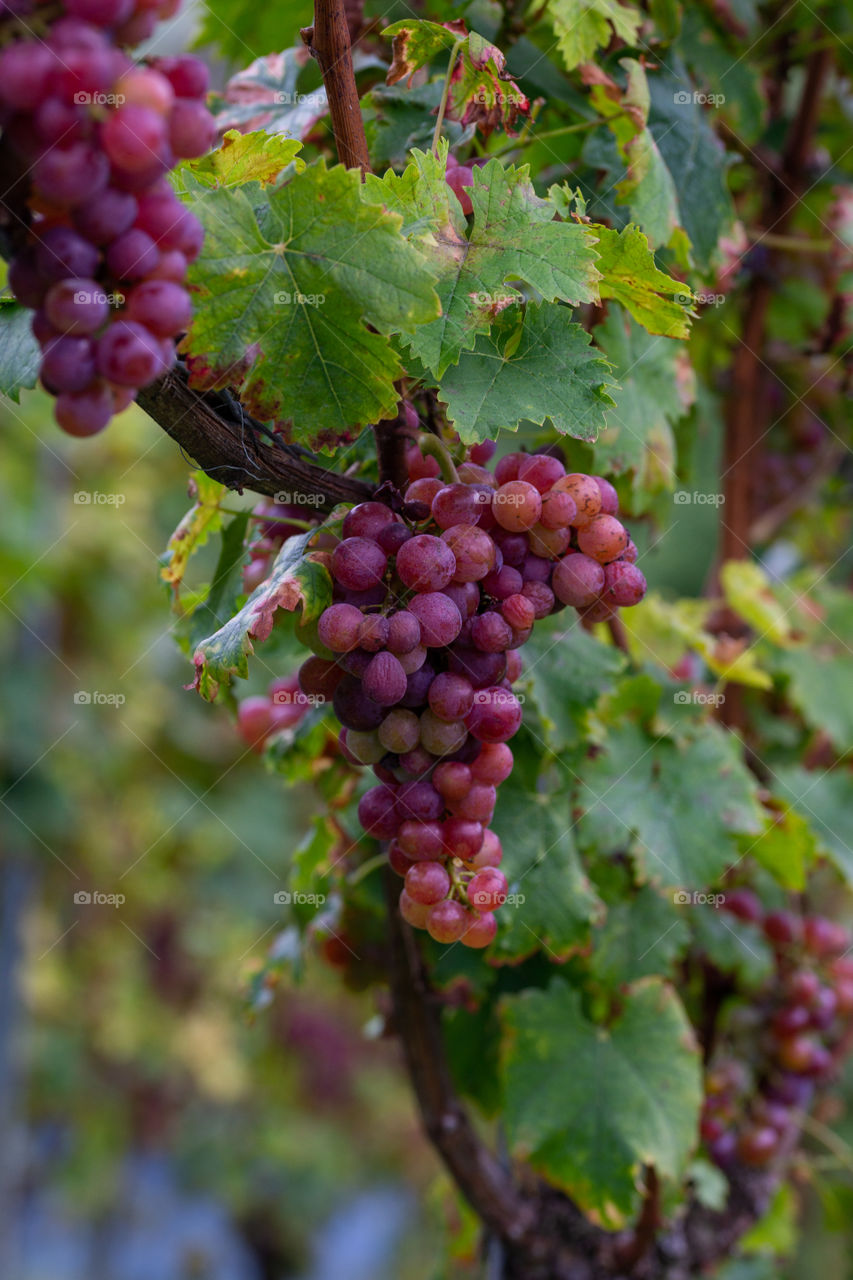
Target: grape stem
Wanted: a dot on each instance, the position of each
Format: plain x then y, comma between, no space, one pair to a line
329,42
434,447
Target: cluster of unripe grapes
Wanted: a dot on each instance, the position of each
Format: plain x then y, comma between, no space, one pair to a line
108,244
419,650
805,1019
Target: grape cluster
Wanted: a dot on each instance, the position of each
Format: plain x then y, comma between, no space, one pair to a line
419,650
108,243
804,1021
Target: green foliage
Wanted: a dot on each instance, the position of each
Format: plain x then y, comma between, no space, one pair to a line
590,1104
19,352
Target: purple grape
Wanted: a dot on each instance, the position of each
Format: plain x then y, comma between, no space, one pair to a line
61,252
192,128
451,696
132,256
26,70
77,306
353,707
129,355
339,627
425,563
578,580
404,632
384,680
84,413
162,306
68,176
417,686
439,617
107,216
624,584
68,364
358,564
132,137
377,812
480,668
491,633
419,800
187,75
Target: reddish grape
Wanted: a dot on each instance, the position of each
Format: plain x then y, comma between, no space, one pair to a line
427,882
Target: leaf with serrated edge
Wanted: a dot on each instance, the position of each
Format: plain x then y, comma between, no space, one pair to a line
590,1105
630,276
533,367
287,283
294,581
676,804
583,26
244,157
514,239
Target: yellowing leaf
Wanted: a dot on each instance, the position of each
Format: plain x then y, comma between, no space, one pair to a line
747,590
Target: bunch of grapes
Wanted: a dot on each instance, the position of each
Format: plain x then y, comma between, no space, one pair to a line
419,651
108,242
805,1019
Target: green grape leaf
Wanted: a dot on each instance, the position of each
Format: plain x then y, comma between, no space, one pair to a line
692,153
639,937
535,365
590,1105
397,119
748,592
583,26
243,157
20,357
551,900
820,686
295,581
203,518
787,847
629,276
676,805
566,669
287,283
732,945
514,239
481,91
825,800
637,436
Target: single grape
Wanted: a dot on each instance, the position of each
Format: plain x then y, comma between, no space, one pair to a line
519,612
513,547
502,583
420,465
128,355
451,696
132,136
578,580
488,889
478,804
482,452
162,306
462,838
493,764
77,306
456,504
254,721
397,860
68,364
373,632
366,519
480,932
744,904
558,510
480,668
359,564
782,927
417,686
491,633
421,841
489,854
495,715
377,813
540,596
541,471
110,214
353,707
340,627
400,731
192,128
425,563
439,618
404,632
517,506
384,680
473,552
414,913
447,921
420,800
604,538
624,584
441,737
413,659
365,747
758,1144
466,597
609,496
61,252
452,780
84,413
549,543
427,882
507,467
187,75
